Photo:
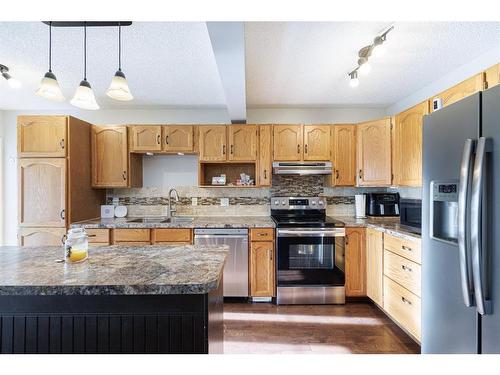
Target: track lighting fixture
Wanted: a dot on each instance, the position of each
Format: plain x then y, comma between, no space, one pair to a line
118,89
376,49
12,82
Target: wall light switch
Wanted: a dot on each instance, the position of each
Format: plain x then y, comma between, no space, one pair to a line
224,202
194,201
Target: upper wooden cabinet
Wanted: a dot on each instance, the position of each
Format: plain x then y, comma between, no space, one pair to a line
374,153
407,161
265,155
178,138
42,189
344,155
492,76
212,142
42,136
462,90
242,142
317,142
374,265
355,262
287,142
145,138
112,165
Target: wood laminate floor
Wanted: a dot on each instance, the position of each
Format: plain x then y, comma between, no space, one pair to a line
357,327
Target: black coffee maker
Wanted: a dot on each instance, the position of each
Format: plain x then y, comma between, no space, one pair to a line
382,204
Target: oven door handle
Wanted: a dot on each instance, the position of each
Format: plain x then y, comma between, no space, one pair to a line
311,233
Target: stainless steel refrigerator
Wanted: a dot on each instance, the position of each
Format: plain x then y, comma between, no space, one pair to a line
461,227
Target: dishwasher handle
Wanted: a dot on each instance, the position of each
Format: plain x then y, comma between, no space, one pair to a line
221,236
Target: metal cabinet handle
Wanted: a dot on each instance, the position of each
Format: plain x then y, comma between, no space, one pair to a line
406,268
124,175
464,223
360,174
232,146
62,214
265,174
298,149
158,139
261,234
271,254
166,139
305,149
337,174
63,239
403,247
61,143
479,235
346,239
406,301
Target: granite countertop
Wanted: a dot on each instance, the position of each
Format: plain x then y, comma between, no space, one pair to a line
389,225
197,222
112,270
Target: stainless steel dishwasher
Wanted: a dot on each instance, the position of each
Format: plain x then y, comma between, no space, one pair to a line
235,281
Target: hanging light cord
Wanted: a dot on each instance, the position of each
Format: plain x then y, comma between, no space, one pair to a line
50,46
85,51
120,48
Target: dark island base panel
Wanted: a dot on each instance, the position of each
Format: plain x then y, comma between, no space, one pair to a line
112,324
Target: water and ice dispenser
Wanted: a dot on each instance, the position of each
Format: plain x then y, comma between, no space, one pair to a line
444,211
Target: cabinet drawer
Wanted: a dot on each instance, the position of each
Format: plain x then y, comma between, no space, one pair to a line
409,249
175,235
132,235
100,236
261,234
403,271
403,306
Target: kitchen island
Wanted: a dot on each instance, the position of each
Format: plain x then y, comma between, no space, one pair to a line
123,299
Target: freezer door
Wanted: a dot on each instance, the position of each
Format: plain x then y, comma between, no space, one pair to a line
491,130
448,325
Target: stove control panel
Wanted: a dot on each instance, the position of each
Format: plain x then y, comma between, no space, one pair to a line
298,203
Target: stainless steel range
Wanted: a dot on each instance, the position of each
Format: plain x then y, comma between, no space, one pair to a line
310,252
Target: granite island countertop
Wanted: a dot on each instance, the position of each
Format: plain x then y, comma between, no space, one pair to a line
197,222
112,270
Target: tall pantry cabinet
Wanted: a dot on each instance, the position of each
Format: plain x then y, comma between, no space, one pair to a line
54,178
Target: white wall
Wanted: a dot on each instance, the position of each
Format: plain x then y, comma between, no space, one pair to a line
452,78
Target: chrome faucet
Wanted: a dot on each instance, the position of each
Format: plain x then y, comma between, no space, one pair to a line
176,196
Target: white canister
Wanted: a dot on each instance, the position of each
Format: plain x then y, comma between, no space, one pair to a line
360,205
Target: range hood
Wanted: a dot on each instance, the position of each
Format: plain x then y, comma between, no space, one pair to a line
305,168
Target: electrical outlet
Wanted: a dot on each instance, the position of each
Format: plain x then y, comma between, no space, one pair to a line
194,201
224,202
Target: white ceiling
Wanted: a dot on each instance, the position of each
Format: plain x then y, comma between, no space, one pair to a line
172,64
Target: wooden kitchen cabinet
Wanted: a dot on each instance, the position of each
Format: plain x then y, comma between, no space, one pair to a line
374,265
42,189
212,142
41,236
112,165
262,283
178,138
129,236
462,90
265,155
242,142
407,161
317,142
492,76
172,236
145,138
344,155
374,153
42,136
355,262
287,142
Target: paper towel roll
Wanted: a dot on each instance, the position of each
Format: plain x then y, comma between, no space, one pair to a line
360,205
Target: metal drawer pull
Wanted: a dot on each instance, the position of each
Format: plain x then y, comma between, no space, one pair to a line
406,268
261,234
270,254
158,139
265,174
166,139
337,174
405,301
62,144
403,247
62,214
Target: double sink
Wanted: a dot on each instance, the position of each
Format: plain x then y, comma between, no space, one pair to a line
162,219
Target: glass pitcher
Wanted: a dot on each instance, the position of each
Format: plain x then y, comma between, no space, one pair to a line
76,246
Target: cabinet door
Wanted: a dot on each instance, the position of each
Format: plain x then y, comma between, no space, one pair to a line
407,162
492,76
178,138
265,158
41,236
42,136
374,265
42,192
109,156
462,90
317,142
145,138
242,142
344,155
374,153
212,143
287,142
262,269
355,262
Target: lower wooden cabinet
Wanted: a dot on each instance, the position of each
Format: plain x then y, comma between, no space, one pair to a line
132,236
262,257
98,237
374,265
41,236
172,236
355,262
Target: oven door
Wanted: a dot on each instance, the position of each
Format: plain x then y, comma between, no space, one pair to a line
308,257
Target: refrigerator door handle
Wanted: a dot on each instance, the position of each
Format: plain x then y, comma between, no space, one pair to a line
464,223
479,228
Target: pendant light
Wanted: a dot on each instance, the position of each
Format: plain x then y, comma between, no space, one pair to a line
49,87
118,89
84,96
12,82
